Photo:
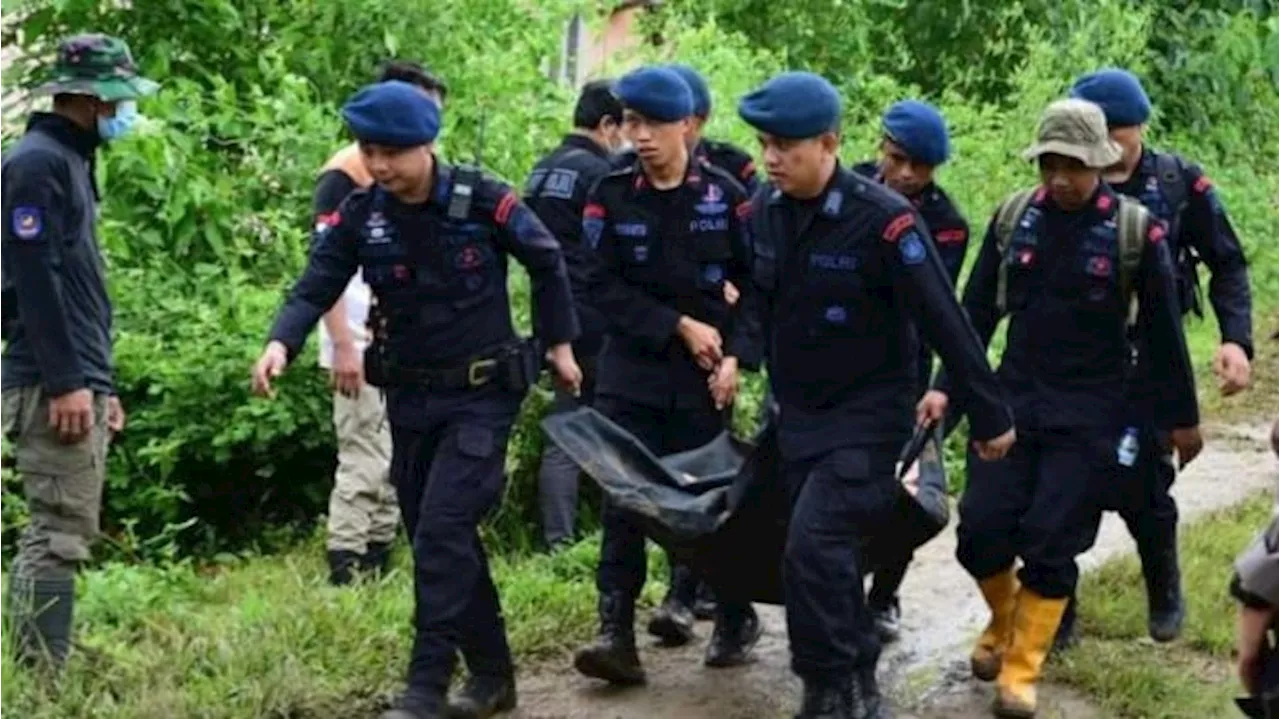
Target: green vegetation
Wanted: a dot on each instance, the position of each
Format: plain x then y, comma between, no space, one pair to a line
204,224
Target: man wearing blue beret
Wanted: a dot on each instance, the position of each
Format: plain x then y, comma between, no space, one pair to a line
914,144
844,267
725,155
432,241
668,232
1179,193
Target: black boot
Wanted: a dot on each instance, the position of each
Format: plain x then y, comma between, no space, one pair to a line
736,632
704,605
612,656
342,564
482,697
868,702
672,621
376,559
824,700
1165,606
415,705
41,612
887,620
1066,635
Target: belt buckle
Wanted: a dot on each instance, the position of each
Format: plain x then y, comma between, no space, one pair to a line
477,372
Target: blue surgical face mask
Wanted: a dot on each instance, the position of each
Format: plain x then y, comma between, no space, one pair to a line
116,127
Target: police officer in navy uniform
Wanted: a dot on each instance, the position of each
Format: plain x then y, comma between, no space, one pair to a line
725,155
556,191
432,241
1066,263
914,145
667,235
845,271
1179,193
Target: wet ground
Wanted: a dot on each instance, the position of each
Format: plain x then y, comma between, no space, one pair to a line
927,670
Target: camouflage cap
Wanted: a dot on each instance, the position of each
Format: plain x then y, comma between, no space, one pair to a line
98,65
1075,128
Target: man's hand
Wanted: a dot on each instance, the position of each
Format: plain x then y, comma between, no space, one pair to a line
992,449
731,293
71,415
931,408
1187,442
269,366
568,373
703,341
1232,367
347,374
723,382
911,480
115,414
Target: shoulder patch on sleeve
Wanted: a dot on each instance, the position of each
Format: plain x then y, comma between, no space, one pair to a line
951,236
1202,185
502,212
897,226
1156,232
27,222
912,248
593,209
327,220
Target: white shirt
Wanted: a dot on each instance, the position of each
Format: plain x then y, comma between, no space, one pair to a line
356,300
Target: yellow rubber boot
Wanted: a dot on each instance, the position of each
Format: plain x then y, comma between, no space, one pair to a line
1000,591
1034,623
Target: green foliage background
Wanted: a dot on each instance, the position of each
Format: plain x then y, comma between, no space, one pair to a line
206,208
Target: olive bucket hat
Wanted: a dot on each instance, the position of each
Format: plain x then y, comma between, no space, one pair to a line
98,65
1075,128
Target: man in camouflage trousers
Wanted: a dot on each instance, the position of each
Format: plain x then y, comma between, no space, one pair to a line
60,406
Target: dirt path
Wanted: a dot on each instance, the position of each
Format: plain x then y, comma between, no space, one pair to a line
926,671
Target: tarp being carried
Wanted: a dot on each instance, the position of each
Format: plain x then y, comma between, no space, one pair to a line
723,508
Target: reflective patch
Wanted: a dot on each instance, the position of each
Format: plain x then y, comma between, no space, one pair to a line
836,315
631,229
592,228
640,253
709,224
1099,266
27,222
839,262
912,248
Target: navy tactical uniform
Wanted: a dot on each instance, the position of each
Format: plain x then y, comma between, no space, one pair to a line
1200,231
556,191
454,371
724,155
843,277
663,255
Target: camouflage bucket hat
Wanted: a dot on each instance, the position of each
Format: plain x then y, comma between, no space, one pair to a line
1075,128
97,65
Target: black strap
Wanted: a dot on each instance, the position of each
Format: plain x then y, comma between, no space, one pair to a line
465,180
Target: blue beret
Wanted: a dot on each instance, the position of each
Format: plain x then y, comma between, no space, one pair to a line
698,86
918,128
794,105
1119,94
392,113
658,93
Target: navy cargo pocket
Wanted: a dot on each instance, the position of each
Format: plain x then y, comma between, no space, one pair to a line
475,441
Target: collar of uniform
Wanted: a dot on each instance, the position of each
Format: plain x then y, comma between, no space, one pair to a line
692,175
582,142
834,197
62,129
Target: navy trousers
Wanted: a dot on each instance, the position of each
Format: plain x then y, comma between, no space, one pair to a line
1041,503
448,456
838,499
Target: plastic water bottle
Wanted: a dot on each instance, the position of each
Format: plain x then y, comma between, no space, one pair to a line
1127,450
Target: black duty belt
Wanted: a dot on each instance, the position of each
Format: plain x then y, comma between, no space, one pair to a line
508,367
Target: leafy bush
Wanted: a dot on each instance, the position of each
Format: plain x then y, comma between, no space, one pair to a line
204,221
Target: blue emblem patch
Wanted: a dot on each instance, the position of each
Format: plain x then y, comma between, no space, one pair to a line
640,253
912,248
592,227
712,201
836,315
713,272
27,223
